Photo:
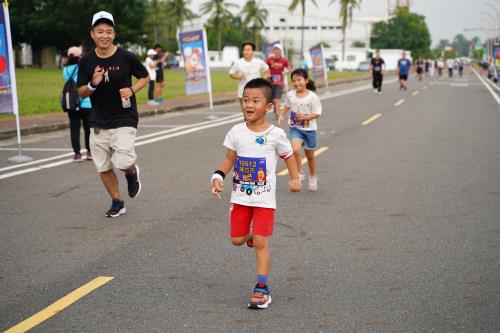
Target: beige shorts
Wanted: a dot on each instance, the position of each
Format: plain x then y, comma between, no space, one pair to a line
113,147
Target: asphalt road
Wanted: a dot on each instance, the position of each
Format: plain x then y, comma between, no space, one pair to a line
402,236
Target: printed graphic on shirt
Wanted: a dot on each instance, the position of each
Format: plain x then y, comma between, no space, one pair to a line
250,174
298,123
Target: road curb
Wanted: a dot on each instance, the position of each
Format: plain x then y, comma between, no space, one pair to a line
12,133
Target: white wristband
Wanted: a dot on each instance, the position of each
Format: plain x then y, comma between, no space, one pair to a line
90,87
216,176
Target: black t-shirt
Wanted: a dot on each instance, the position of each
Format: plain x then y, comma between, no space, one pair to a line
158,56
107,111
377,64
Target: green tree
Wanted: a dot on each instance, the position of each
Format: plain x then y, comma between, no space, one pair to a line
220,18
346,9
404,31
177,12
443,43
257,16
461,44
43,23
291,8
157,24
235,36
358,43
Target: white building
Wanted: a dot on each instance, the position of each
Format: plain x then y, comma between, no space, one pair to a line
320,25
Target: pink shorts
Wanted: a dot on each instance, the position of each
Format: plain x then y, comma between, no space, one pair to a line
242,216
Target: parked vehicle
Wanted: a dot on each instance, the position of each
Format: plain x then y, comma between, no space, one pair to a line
363,66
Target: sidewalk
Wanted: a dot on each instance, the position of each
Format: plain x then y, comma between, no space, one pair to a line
58,121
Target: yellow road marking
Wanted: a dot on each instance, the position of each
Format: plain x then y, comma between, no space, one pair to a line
415,93
371,119
401,101
59,305
304,160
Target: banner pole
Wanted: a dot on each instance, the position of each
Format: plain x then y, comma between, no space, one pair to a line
325,73
212,116
20,158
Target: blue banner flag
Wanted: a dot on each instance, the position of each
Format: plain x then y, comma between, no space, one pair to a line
6,67
318,63
193,48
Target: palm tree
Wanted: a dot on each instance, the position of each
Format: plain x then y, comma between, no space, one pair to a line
258,16
220,17
292,7
346,8
177,11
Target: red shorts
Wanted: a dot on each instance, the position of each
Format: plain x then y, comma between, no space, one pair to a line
242,216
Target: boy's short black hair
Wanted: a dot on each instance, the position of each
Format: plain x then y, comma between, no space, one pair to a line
248,43
262,84
157,46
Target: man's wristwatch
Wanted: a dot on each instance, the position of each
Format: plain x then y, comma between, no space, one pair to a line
91,86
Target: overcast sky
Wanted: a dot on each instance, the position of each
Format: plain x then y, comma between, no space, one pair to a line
445,18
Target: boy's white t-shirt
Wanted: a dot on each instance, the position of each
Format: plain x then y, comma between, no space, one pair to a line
151,71
309,104
254,171
251,70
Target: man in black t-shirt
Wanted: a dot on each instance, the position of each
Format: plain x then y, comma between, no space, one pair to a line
377,67
160,56
420,68
105,74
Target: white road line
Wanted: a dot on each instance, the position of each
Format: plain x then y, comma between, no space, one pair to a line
158,136
329,95
48,159
144,142
415,93
495,96
29,170
37,149
492,84
196,129
43,160
158,126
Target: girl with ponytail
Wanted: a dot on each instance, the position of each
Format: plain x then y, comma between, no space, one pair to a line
305,107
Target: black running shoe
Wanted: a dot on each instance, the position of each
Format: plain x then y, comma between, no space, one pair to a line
117,208
134,183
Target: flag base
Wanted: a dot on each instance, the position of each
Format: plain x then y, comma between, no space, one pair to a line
18,159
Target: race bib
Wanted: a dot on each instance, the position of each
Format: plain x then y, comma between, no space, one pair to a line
250,170
276,77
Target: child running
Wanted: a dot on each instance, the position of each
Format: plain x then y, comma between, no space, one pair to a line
253,148
305,108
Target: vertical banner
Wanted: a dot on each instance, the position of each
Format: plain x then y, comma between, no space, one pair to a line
268,49
496,59
7,80
193,48
318,64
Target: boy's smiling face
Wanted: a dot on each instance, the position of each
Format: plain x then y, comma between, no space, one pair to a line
255,105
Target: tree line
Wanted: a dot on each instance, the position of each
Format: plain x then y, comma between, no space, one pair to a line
59,24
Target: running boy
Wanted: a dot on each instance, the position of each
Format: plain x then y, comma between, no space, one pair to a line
305,108
252,153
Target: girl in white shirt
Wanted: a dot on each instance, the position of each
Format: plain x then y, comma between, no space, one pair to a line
305,107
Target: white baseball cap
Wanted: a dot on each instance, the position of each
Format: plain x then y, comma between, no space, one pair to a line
278,46
102,15
75,51
151,52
